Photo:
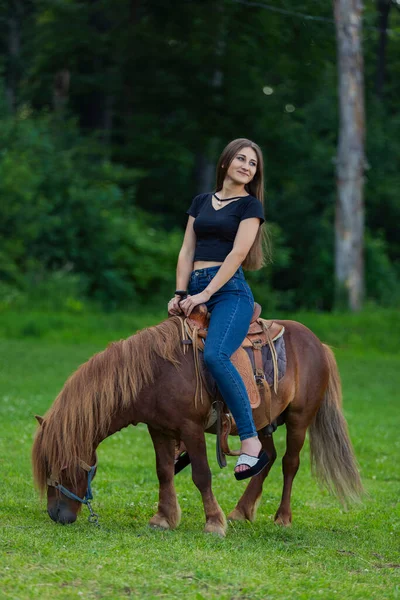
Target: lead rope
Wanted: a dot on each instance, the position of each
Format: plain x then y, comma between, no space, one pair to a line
53,482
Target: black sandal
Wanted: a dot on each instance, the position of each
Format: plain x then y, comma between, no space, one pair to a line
255,463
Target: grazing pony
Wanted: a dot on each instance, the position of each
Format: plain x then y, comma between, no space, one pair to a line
148,378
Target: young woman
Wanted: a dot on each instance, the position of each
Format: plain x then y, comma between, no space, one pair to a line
222,234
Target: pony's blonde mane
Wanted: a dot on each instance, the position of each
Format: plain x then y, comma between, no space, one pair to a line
106,384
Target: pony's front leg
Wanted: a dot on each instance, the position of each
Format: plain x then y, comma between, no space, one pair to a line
194,440
246,508
168,515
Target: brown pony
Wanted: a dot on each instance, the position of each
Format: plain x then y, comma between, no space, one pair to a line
147,378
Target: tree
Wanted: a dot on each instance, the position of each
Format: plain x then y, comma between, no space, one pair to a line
349,226
383,8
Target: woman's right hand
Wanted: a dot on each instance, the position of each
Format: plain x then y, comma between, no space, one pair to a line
173,306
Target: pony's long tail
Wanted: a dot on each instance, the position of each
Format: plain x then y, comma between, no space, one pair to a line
332,456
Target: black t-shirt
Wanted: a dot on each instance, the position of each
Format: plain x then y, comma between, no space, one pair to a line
216,229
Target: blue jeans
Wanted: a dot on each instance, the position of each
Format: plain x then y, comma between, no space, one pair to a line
231,309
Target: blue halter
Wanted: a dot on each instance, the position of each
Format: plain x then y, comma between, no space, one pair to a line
93,517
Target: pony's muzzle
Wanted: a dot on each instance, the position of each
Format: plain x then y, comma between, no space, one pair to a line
61,513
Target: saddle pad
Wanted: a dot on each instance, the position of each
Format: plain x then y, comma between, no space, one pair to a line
268,364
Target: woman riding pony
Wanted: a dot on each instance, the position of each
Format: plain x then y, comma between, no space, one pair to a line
224,234
131,381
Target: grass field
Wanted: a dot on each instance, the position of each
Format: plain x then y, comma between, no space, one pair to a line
328,553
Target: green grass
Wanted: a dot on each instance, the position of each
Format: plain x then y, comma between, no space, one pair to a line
327,553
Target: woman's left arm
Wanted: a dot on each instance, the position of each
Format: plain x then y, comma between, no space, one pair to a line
244,240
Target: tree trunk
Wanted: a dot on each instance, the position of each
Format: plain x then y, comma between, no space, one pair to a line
204,173
97,109
205,160
349,227
383,7
134,8
61,86
14,44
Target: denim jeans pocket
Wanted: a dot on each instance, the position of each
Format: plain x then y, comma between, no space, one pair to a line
192,287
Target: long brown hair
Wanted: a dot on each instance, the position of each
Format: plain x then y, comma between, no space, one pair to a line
260,252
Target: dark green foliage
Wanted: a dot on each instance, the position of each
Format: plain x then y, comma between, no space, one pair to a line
117,112
69,226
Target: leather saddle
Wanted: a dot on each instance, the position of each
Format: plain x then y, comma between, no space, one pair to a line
261,332
200,318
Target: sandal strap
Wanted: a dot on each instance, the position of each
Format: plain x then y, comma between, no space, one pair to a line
246,459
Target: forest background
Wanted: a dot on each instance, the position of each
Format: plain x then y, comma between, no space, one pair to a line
114,112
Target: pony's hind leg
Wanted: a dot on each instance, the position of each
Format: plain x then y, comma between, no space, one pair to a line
168,515
295,436
195,443
246,508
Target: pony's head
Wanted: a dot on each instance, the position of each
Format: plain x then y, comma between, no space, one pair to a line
95,402
67,486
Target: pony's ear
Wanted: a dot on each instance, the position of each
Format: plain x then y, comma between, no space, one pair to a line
39,419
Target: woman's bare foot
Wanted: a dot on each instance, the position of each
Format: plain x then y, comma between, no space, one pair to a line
252,447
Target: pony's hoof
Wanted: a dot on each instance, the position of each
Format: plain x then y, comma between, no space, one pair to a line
159,522
236,515
283,521
215,528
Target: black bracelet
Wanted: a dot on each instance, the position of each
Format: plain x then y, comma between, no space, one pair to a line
181,293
